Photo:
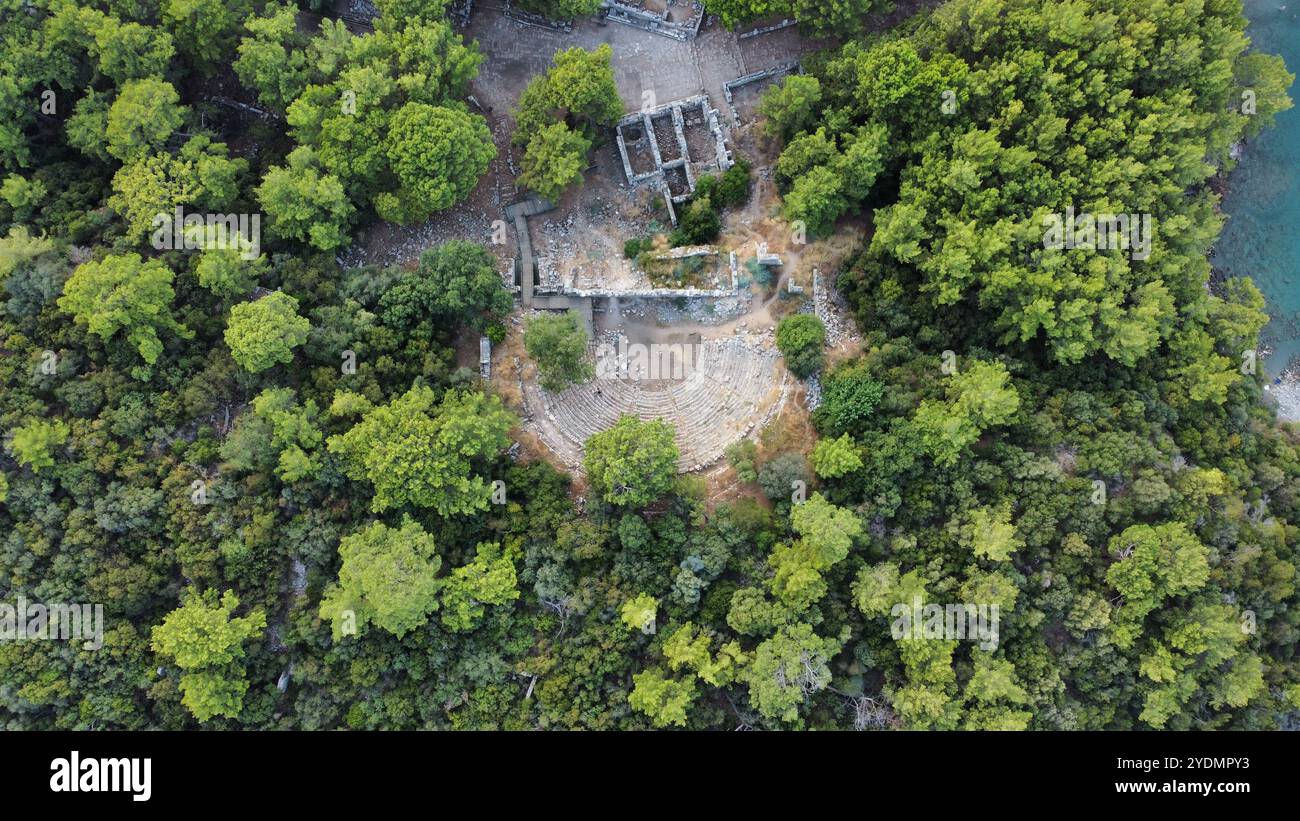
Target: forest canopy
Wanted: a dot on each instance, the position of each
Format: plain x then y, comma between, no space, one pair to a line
300,512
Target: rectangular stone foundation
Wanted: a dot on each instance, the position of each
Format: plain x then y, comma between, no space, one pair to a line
638,141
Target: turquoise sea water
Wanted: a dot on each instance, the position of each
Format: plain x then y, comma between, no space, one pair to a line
1262,237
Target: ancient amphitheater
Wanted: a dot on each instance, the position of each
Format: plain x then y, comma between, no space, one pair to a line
675,133
735,386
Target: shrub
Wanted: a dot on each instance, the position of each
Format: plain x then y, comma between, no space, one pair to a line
733,189
633,247
800,338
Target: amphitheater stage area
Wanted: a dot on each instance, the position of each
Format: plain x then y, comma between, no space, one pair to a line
730,388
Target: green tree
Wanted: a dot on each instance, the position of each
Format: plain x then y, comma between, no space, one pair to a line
699,224
989,533
1264,80
403,10
822,17
979,397
817,200
124,294
417,454
388,577
733,187
34,442
992,692
688,647
1153,563
383,114
86,127
305,205
849,398
206,641
438,154
273,57
142,118
827,535
579,89
833,458
632,463
863,161
557,343
561,9
982,390
455,282
224,267
130,51
489,579
829,530
22,195
279,429
264,332
665,700
787,668
815,149
32,271
800,338
554,160
639,612
151,186
742,455
778,475
791,105
205,30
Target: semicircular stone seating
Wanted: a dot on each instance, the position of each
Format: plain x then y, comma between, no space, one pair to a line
718,399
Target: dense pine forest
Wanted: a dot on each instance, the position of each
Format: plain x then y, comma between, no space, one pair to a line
299,511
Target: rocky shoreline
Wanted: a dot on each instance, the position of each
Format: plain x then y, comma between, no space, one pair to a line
1285,390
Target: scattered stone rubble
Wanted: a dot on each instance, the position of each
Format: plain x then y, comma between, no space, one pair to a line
831,310
1285,390
460,11
812,392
